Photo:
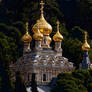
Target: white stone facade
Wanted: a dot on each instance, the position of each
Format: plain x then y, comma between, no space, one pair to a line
46,64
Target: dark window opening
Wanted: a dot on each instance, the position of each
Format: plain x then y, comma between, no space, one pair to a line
44,77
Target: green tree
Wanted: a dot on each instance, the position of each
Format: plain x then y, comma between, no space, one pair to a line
65,86
72,50
33,84
89,82
90,54
78,81
19,84
85,14
6,84
13,37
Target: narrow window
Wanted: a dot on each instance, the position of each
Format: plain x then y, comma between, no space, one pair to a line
44,77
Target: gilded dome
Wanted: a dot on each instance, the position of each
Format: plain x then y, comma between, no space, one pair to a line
38,35
26,37
85,46
57,37
44,26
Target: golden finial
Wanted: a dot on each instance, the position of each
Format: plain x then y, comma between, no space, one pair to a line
58,26
26,27
85,36
26,37
85,46
42,6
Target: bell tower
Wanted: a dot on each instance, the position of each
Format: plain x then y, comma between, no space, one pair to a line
26,39
85,47
58,39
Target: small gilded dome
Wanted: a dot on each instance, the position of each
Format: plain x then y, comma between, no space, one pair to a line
57,37
26,37
85,46
44,26
38,35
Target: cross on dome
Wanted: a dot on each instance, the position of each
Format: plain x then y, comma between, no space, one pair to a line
26,27
58,25
42,6
85,36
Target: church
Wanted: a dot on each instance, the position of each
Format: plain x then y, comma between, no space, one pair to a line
42,60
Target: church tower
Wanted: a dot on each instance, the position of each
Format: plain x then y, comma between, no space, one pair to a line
26,39
38,36
58,39
86,61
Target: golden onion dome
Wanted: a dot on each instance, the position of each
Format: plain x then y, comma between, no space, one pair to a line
85,46
38,35
26,37
57,37
44,26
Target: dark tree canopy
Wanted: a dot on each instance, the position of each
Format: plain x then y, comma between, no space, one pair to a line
19,84
78,81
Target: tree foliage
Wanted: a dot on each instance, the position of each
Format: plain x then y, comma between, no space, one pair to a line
73,48
6,84
78,81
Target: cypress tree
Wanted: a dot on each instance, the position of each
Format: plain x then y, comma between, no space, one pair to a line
33,84
19,84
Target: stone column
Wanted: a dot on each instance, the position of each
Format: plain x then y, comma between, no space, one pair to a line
58,48
86,61
46,42
26,47
38,45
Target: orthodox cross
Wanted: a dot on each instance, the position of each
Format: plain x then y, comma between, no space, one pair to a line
42,6
85,36
58,26
26,27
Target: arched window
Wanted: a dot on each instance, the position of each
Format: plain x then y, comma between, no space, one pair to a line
44,77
